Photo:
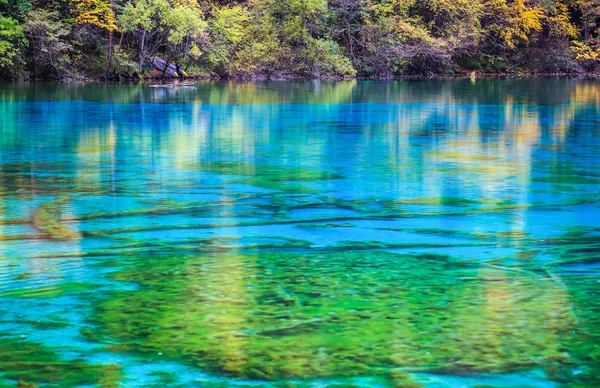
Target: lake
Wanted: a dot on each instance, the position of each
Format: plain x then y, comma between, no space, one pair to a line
301,234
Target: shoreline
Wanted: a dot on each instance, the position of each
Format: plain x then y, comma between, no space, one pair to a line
453,76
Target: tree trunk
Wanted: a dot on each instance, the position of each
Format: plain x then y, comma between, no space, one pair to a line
109,51
142,42
350,41
109,54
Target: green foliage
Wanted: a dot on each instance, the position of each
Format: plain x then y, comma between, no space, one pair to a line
173,27
48,37
228,28
298,38
123,62
228,23
278,37
12,44
186,24
142,14
323,58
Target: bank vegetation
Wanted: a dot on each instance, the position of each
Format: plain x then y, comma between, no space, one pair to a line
275,39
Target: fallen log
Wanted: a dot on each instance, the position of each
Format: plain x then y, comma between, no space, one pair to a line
171,69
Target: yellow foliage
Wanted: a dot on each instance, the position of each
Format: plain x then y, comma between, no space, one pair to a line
230,23
189,4
523,22
95,12
195,51
560,24
585,52
398,8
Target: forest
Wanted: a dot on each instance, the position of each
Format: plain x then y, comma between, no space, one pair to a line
282,39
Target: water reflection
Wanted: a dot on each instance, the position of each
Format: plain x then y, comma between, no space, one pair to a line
317,230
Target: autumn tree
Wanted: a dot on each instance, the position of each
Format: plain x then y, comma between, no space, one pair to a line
98,13
552,51
590,12
587,50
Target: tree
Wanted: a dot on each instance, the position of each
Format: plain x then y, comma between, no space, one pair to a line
523,21
290,37
95,12
228,29
98,13
185,23
346,18
12,45
143,19
590,12
305,38
394,38
157,24
551,50
508,28
588,50
47,34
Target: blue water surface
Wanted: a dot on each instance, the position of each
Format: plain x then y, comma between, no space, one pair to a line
493,184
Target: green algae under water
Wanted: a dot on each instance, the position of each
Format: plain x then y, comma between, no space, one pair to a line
272,315
299,234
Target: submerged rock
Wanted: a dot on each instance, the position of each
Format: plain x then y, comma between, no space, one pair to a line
46,218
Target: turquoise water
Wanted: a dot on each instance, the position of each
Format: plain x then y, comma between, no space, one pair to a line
301,234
